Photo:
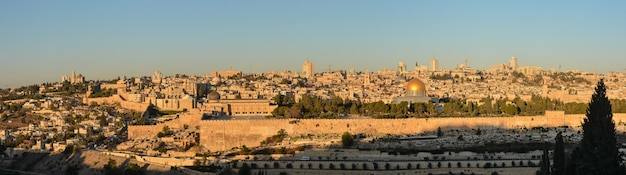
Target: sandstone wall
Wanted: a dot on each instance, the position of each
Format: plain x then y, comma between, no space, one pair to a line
216,135
116,99
151,131
223,135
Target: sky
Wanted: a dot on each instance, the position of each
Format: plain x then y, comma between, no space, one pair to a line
40,41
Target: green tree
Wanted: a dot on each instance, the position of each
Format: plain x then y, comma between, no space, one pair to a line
545,162
111,168
511,109
439,132
354,109
598,148
133,169
72,170
244,170
278,99
165,132
558,159
293,112
347,139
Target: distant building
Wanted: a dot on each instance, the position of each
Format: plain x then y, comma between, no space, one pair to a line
65,78
74,79
530,70
157,77
513,63
230,72
434,64
308,69
237,107
401,67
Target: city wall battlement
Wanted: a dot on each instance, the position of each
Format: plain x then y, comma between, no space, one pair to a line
216,135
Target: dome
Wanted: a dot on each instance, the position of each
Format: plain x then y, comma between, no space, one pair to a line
214,95
215,79
415,85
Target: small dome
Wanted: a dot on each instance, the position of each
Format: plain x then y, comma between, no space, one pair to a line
415,85
214,95
215,79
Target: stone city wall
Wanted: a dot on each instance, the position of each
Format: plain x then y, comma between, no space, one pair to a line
151,131
223,135
216,135
116,99
144,131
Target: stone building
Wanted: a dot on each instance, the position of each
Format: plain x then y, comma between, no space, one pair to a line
73,79
237,107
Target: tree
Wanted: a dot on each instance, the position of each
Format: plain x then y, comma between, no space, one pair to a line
72,170
558,160
598,152
439,132
545,162
111,168
133,169
244,170
293,112
278,99
354,109
347,139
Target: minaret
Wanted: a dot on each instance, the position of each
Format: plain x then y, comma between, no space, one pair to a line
367,78
434,65
417,67
73,77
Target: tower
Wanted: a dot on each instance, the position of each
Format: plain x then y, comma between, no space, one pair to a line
157,77
308,69
513,63
401,67
65,78
434,64
367,79
73,80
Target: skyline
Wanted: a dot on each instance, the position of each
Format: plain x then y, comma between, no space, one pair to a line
103,40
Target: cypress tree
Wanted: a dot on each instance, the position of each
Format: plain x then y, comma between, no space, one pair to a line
558,160
598,149
545,162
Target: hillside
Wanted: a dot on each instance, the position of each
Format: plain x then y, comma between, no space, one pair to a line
83,162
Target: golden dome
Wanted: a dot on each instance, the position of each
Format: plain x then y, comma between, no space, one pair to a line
415,85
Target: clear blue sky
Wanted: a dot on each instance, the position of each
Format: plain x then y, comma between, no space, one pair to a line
42,40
